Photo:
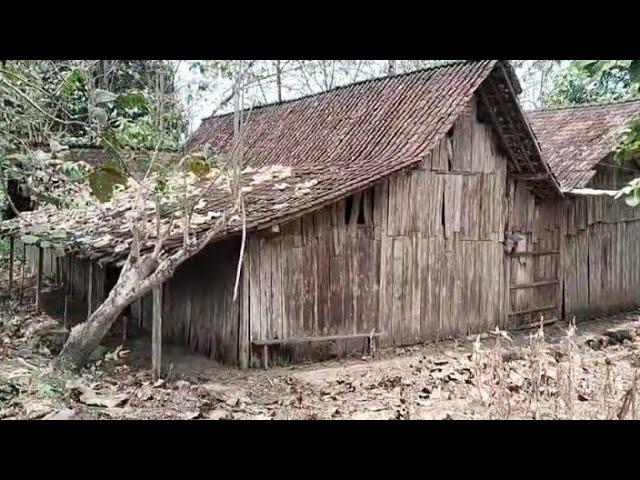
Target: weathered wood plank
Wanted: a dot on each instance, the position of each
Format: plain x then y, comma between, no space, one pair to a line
398,293
463,130
244,345
386,271
416,305
10,287
265,288
276,323
254,289
322,338
156,335
39,281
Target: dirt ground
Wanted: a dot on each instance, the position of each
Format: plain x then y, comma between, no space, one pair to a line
588,372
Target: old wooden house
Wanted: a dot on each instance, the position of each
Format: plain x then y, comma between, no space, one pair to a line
410,208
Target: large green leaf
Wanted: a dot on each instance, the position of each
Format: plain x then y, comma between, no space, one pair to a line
633,200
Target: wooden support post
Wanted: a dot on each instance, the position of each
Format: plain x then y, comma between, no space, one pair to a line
70,278
66,286
244,334
39,281
90,291
66,310
24,261
156,333
10,267
59,271
265,357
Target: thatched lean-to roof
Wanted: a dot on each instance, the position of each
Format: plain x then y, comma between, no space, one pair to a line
315,150
575,139
101,231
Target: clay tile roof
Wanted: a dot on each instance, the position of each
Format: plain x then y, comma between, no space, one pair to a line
575,139
368,130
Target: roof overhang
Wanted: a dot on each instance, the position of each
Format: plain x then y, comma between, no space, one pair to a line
498,103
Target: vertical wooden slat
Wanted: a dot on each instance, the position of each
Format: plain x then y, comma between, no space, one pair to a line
243,318
156,333
265,288
276,329
10,267
90,290
39,281
397,295
386,268
23,265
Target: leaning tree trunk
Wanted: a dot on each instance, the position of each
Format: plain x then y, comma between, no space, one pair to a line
85,337
136,279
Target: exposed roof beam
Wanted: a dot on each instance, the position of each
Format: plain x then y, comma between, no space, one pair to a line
505,112
532,135
531,176
496,123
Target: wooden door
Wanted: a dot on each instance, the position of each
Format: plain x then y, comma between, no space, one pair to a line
532,257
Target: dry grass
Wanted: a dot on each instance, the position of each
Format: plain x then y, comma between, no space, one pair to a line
556,380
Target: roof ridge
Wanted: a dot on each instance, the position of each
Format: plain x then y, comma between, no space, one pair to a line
348,85
585,105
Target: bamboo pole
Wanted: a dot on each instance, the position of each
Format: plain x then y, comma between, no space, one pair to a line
156,333
39,281
10,267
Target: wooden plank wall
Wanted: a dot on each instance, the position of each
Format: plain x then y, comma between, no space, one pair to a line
317,275
601,251
441,242
198,306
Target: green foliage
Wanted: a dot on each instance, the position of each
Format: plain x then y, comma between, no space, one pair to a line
591,81
629,147
631,193
133,104
135,98
117,105
73,171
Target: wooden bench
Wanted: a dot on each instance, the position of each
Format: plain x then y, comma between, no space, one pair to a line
265,344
